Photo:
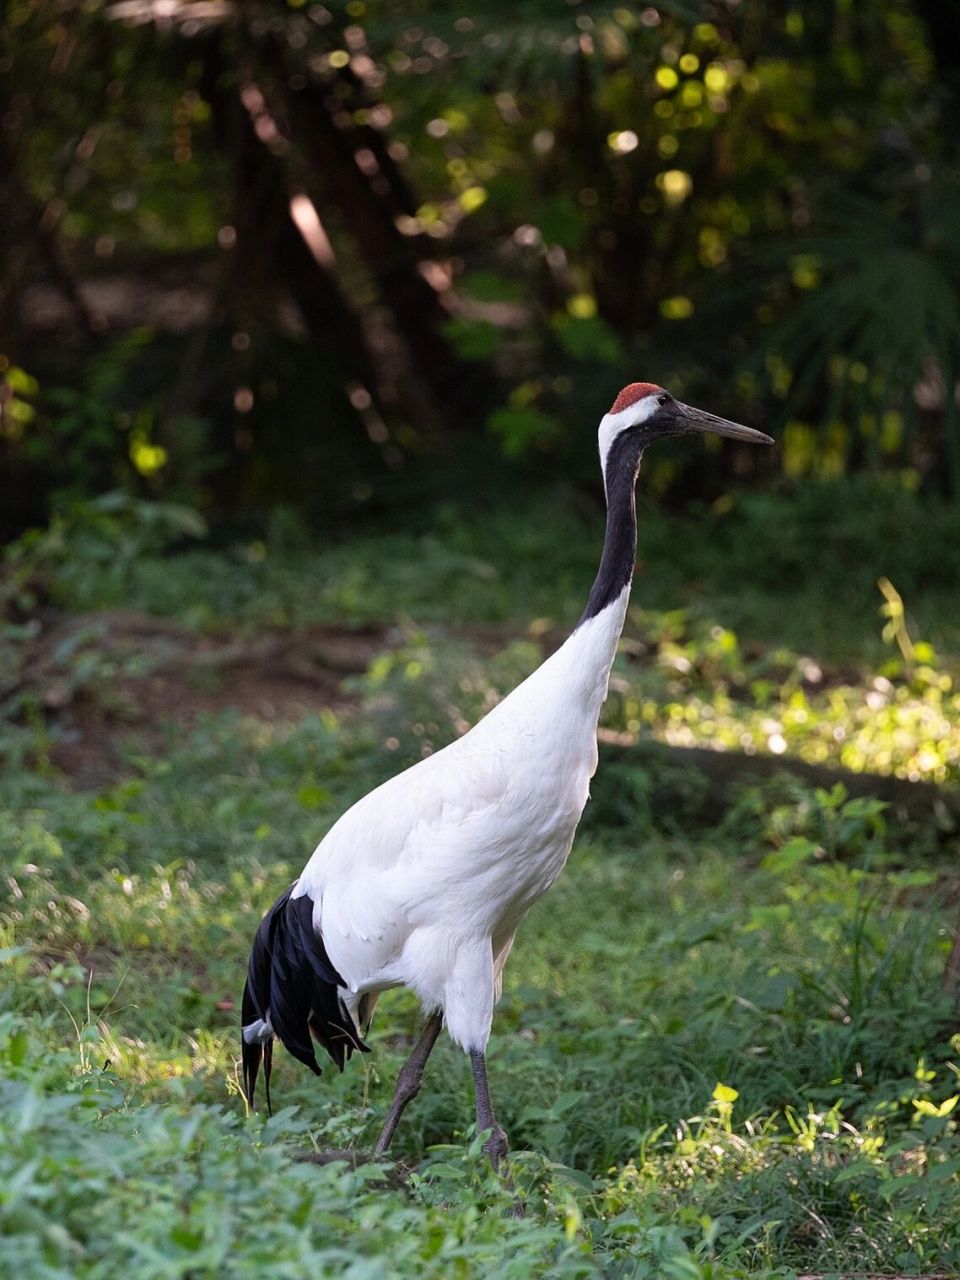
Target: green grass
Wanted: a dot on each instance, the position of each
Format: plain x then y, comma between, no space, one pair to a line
797,569
659,968
722,1050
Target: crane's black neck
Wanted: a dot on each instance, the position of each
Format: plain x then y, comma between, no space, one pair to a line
620,540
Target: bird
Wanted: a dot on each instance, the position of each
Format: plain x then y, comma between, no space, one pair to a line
424,881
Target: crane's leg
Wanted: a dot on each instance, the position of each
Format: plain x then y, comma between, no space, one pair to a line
409,1079
496,1145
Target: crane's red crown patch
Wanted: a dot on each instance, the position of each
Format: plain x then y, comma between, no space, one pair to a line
632,393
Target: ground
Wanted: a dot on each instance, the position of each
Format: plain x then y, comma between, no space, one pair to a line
728,1040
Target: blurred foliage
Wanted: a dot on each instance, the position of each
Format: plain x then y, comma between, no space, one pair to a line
290,252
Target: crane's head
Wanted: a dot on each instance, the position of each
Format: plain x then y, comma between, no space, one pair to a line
644,412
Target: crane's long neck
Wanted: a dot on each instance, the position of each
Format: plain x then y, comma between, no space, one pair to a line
563,697
620,540
590,650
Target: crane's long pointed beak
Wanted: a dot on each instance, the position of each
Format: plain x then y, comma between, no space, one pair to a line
697,420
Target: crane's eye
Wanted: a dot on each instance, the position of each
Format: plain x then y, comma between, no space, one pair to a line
662,400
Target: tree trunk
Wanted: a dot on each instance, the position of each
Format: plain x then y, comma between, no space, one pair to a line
321,121
271,259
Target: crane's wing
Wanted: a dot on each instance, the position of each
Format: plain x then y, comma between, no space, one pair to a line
395,856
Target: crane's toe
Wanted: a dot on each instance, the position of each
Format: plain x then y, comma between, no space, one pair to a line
496,1146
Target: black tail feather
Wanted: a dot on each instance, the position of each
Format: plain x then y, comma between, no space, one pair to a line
267,1068
292,985
251,1053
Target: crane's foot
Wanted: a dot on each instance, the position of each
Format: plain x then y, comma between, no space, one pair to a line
496,1147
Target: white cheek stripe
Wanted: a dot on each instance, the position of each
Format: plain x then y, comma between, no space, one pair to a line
611,424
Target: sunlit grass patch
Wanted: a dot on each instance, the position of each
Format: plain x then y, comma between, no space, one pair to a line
690,682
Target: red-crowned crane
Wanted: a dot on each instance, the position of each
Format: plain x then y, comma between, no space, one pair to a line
424,882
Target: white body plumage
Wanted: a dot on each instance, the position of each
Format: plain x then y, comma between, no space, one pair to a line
424,882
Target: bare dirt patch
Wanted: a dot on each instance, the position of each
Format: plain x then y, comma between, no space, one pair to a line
114,682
